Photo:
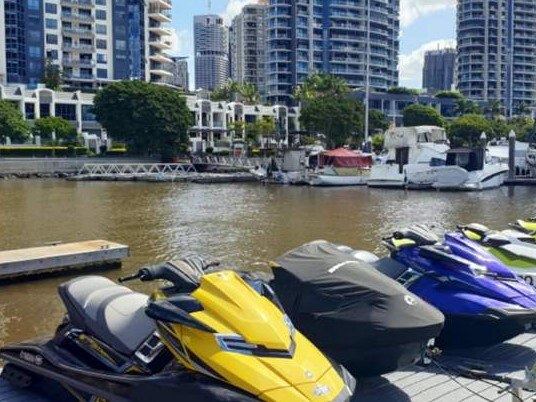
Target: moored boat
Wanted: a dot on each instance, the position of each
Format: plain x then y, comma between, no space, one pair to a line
341,167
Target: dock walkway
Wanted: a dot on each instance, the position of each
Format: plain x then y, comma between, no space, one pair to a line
60,257
448,380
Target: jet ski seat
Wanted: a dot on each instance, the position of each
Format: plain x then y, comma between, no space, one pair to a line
477,228
110,312
389,267
420,235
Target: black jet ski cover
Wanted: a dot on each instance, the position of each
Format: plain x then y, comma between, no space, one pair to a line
346,307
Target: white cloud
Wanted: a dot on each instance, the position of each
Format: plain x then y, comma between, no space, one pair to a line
412,10
181,42
411,64
234,7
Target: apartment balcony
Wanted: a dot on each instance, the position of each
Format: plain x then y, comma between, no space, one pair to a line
78,3
160,58
161,73
159,15
85,33
160,44
66,47
163,4
78,63
76,17
160,31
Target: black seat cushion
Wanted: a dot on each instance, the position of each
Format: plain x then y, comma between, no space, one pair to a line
420,235
112,313
389,267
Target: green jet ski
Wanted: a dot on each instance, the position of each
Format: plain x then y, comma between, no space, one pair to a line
526,226
513,248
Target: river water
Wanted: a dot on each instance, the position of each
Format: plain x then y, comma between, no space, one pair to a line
242,224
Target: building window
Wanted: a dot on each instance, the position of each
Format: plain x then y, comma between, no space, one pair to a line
68,112
100,14
102,73
101,58
52,39
33,4
87,113
120,45
100,2
34,51
51,8
100,29
29,111
51,23
101,44
52,54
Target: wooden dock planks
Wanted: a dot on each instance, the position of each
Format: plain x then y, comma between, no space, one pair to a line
60,257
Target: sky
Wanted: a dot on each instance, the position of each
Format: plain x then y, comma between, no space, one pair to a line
424,25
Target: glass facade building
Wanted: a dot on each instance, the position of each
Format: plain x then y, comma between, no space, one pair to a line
496,58
24,41
307,36
92,42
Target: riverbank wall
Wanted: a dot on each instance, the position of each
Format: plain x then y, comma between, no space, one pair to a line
55,167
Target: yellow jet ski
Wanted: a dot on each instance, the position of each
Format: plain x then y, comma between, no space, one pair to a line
203,336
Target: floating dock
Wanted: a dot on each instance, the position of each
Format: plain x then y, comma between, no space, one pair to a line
17,264
473,375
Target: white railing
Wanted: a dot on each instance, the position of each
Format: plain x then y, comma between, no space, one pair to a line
232,161
137,169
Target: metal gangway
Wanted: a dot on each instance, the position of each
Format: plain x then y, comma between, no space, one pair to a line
156,171
237,162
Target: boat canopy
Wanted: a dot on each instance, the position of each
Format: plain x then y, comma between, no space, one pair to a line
401,137
466,158
344,158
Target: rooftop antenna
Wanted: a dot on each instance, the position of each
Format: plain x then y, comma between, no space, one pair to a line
209,6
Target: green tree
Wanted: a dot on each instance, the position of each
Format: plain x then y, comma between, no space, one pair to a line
48,125
449,95
377,143
237,129
522,108
52,75
467,106
249,93
378,121
467,129
227,93
338,118
252,133
421,115
500,127
523,126
403,91
12,123
321,85
494,108
149,118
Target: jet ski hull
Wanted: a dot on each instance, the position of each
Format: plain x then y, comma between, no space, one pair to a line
375,360
43,359
468,330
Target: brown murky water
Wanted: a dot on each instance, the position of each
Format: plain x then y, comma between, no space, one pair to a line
240,224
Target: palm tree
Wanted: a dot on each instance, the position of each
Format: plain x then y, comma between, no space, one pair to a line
321,85
248,92
467,106
494,108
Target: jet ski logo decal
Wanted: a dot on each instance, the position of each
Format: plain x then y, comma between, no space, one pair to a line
410,300
30,358
340,265
321,390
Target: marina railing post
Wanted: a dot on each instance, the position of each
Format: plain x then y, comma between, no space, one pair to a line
511,155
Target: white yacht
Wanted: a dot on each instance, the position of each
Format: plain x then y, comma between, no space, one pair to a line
412,153
470,169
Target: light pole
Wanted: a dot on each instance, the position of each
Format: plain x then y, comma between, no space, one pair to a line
367,79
